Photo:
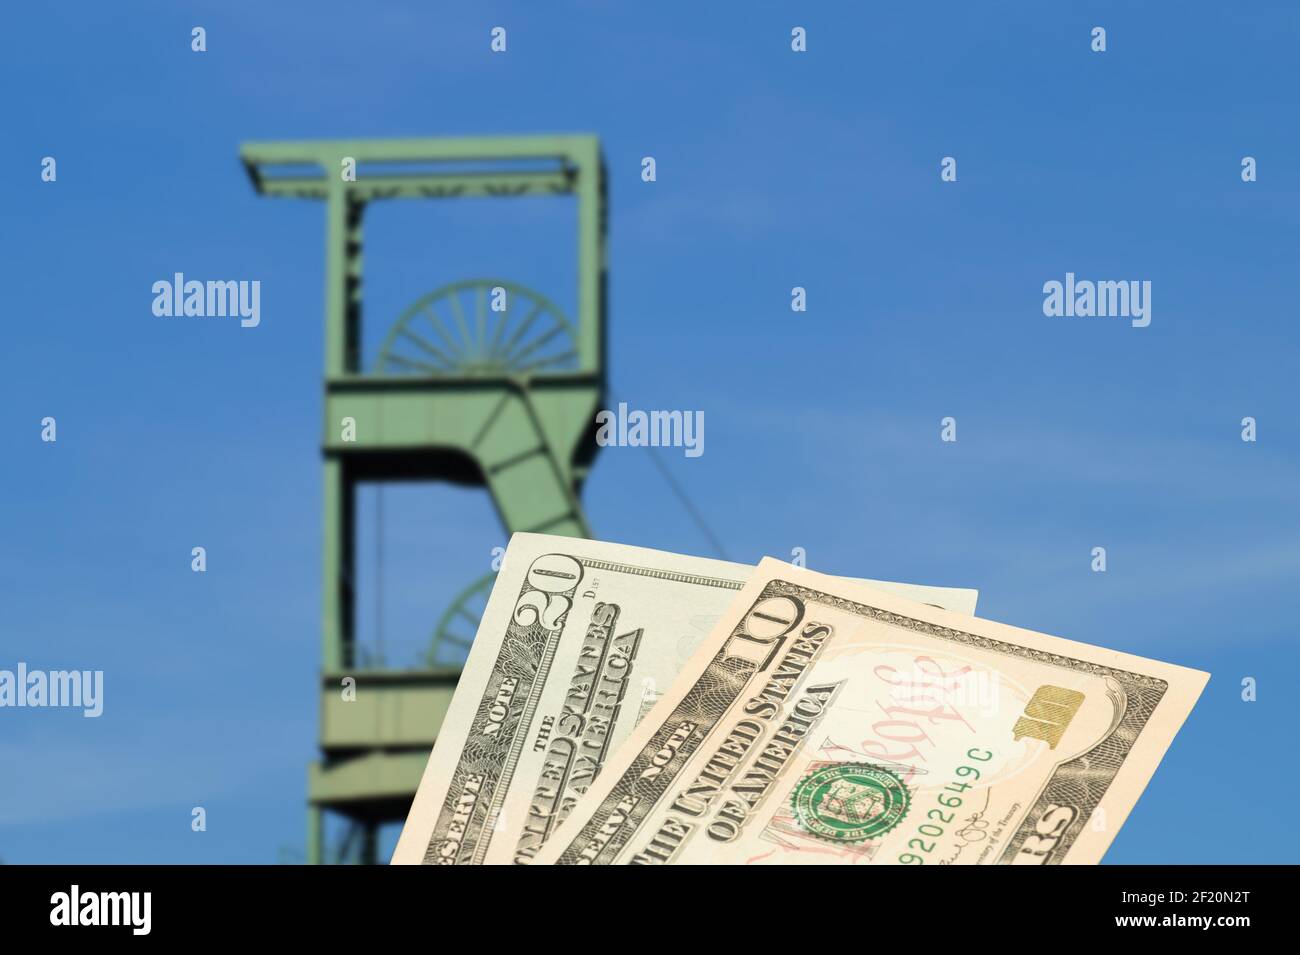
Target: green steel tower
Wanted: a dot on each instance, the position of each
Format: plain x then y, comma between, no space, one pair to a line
480,382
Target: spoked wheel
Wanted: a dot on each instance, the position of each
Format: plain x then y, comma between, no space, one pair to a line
479,327
455,631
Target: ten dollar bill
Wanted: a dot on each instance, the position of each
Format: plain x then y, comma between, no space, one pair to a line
825,722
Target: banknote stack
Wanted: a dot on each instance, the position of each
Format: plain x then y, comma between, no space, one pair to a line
629,706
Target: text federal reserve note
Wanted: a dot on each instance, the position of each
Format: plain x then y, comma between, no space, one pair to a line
826,722
578,641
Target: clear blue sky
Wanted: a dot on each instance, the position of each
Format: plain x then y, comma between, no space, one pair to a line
822,428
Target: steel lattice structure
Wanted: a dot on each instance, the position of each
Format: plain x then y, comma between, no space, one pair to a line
462,393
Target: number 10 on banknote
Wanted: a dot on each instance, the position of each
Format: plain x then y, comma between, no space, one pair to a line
825,722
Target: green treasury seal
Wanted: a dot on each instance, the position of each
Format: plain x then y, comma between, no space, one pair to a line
849,802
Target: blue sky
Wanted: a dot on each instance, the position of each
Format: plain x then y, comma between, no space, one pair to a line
822,428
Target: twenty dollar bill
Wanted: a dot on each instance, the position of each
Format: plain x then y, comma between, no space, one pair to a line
578,641
826,722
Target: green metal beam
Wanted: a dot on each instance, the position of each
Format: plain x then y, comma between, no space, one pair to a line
390,709
376,776
415,186
429,149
